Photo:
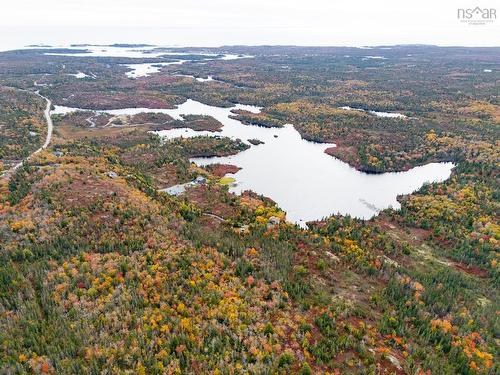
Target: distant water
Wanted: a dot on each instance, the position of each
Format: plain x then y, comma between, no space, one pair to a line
146,69
376,113
18,37
140,69
14,37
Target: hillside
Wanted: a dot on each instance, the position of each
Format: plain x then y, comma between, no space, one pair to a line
101,272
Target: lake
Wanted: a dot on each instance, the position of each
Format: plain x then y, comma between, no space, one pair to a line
297,174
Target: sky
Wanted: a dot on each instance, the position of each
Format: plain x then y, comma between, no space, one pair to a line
253,22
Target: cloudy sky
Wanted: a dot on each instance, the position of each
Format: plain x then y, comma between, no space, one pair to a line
218,22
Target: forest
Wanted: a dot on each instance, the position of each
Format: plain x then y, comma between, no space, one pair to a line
102,272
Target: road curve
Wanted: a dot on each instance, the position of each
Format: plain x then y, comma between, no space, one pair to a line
50,125
48,138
